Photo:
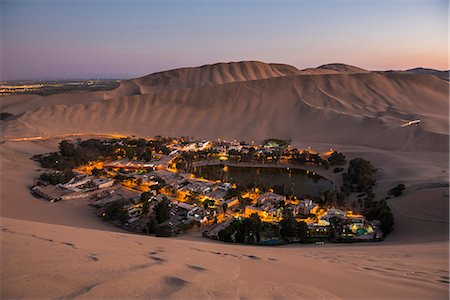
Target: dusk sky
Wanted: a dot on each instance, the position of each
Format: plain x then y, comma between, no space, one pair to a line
43,39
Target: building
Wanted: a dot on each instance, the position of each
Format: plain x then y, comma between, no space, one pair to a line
265,212
270,198
232,202
318,231
77,181
50,192
304,207
101,183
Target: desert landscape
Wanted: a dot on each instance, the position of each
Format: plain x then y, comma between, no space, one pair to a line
61,250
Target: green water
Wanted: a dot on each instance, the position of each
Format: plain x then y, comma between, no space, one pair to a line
282,180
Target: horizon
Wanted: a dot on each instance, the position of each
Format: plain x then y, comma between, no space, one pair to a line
48,40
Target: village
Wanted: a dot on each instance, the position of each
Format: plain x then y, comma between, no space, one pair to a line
148,187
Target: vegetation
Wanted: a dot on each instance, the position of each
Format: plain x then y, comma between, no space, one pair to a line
57,177
187,226
381,211
151,226
71,155
162,211
397,190
337,158
338,169
163,231
290,229
360,176
208,203
115,211
247,230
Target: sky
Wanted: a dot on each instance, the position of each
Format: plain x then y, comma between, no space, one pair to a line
62,39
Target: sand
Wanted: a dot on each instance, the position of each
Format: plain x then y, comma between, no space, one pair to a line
61,250
66,262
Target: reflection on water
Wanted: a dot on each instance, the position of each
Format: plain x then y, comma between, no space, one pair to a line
282,180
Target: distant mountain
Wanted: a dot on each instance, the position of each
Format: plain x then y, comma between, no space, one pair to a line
441,74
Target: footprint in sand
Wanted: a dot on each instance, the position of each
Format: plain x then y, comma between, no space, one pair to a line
443,279
139,267
69,244
196,268
158,259
93,257
253,257
172,285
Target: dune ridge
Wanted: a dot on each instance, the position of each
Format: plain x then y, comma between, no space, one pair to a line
252,100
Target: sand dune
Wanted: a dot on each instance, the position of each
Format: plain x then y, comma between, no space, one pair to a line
73,262
220,73
61,250
315,108
342,68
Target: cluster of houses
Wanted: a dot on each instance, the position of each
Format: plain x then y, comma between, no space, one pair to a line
270,206
81,186
206,202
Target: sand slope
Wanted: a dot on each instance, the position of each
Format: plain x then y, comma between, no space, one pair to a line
67,262
252,100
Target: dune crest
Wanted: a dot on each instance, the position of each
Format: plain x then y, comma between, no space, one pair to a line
252,101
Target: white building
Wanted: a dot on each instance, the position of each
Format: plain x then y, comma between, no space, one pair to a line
101,183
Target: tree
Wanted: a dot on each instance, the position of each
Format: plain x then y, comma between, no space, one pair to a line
145,207
162,211
66,148
361,173
337,224
397,190
207,203
224,207
194,197
315,158
254,226
57,177
147,155
302,229
227,233
288,226
151,226
337,158
115,211
98,172
382,212
145,196
131,153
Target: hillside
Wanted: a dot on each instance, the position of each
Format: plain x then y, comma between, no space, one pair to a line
252,100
